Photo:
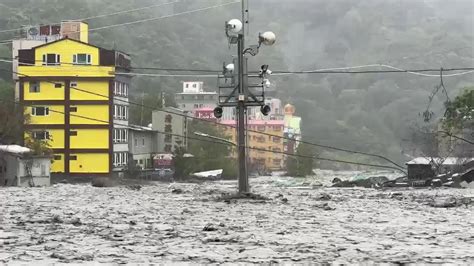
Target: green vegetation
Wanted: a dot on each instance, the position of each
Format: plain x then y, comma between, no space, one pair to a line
303,165
11,127
374,113
459,111
208,154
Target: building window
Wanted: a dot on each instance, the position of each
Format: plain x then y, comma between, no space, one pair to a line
276,139
168,118
73,133
73,84
120,89
73,157
58,85
168,148
136,142
261,128
57,157
51,59
120,135
196,106
168,128
81,59
34,86
187,85
276,161
120,159
73,109
39,111
168,138
194,85
143,142
41,135
125,89
116,87
120,112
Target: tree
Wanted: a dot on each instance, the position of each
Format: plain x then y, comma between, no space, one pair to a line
208,154
183,165
11,118
302,164
460,111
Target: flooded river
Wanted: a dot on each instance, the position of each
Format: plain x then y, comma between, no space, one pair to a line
293,222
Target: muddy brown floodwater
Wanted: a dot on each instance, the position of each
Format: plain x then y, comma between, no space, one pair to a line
185,222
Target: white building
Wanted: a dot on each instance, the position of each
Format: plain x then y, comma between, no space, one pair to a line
18,167
170,126
194,97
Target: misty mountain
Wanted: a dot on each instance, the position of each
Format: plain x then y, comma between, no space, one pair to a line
367,112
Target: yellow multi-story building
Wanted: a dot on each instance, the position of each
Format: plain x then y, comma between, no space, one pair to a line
68,88
265,152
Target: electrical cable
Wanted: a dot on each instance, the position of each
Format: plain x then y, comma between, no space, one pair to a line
217,123
100,16
279,73
142,20
225,143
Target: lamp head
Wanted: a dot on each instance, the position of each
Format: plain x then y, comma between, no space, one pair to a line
267,38
218,112
234,25
265,109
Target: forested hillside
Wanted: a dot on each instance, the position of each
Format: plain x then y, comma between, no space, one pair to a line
368,112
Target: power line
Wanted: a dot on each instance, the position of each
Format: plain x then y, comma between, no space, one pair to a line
162,17
340,70
346,70
102,15
217,123
143,20
456,137
224,143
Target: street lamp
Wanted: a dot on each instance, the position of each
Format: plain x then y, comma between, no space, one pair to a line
241,97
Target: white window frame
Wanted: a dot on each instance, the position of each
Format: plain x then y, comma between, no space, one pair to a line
33,110
116,111
125,89
125,135
75,58
46,134
57,57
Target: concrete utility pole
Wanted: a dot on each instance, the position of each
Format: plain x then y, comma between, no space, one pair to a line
241,97
241,108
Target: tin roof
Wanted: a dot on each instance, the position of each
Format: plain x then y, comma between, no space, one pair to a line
15,149
438,160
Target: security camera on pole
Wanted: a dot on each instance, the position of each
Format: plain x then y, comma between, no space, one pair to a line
249,90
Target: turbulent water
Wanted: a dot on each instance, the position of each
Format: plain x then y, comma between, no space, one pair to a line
293,221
